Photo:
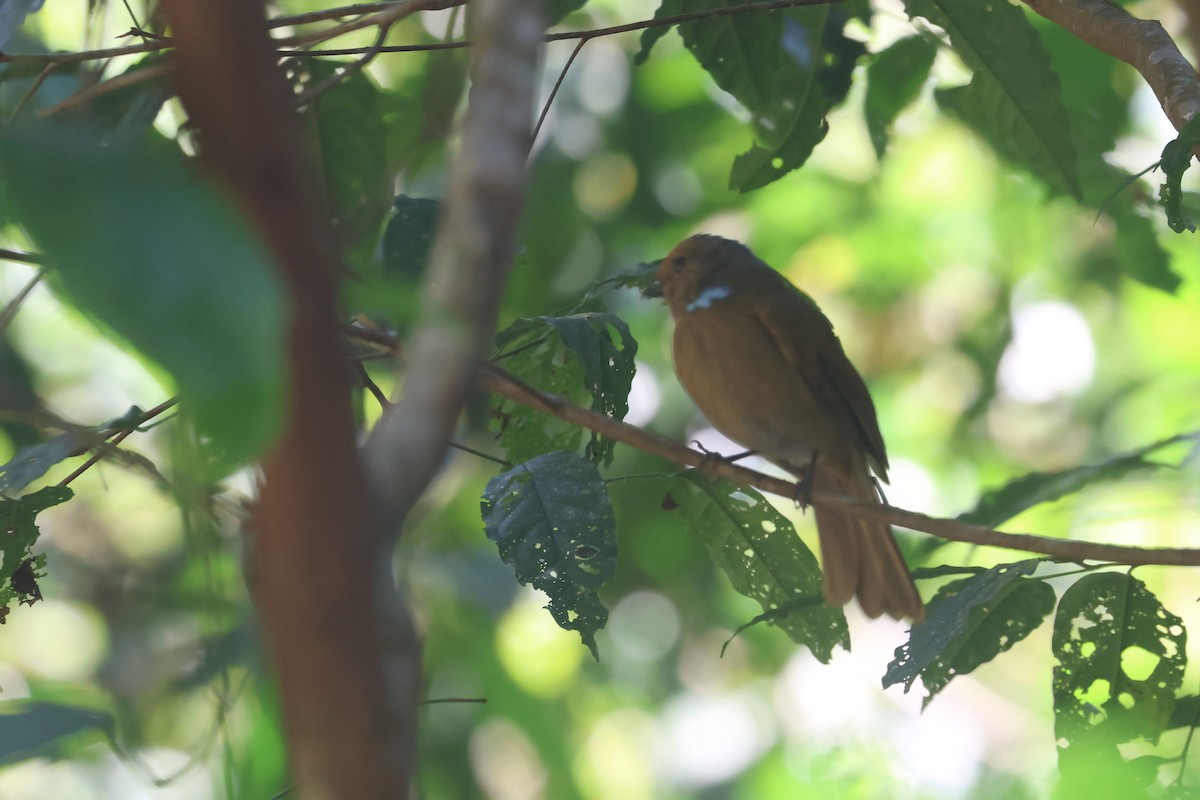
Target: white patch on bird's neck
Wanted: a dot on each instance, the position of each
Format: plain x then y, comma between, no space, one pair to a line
710,295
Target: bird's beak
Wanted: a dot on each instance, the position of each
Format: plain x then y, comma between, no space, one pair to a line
652,288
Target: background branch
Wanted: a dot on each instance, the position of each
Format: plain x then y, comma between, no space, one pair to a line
1140,43
469,260
348,664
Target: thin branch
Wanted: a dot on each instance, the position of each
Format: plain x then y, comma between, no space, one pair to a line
503,383
13,306
106,448
121,81
313,92
37,259
554,92
1140,43
592,33
33,89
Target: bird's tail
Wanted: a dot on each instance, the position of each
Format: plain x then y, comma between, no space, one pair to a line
859,555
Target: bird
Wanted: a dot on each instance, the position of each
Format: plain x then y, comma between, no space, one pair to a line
762,362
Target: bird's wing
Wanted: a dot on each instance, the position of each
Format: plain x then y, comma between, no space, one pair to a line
805,337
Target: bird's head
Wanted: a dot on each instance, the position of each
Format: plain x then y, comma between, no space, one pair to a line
701,270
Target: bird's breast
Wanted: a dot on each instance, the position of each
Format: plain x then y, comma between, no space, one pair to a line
739,378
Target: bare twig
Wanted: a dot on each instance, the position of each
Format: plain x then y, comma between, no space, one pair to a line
592,33
503,383
37,259
554,92
13,306
33,89
1141,43
121,81
104,448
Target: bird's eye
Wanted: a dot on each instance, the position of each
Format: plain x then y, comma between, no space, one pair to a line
678,261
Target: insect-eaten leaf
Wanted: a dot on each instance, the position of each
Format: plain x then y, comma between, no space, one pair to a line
1121,658
19,571
970,622
552,520
758,548
1176,158
573,356
160,257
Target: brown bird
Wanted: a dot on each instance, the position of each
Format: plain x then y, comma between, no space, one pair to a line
762,362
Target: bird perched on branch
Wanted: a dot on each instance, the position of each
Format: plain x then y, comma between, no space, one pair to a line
762,362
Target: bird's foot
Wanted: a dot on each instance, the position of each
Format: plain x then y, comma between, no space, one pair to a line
712,457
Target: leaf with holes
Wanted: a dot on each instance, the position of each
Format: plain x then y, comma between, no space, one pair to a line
18,533
552,519
788,68
1121,658
970,622
574,356
758,548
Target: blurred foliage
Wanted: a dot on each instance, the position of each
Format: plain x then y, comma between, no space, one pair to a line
970,220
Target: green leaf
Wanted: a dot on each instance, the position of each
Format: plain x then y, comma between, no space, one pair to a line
41,730
1139,252
151,251
1176,158
757,547
552,519
788,68
813,78
1121,658
894,79
970,622
581,352
32,462
18,533
409,235
132,108
353,137
1000,505
556,10
1013,103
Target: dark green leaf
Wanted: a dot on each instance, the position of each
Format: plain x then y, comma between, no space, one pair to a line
1139,252
1023,493
1186,713
1014,103
159,256
788,68
409,235
18,533
970,622
353,138
552,519
38,730
757,547
556,10
894,79
130,109
1176,158
32,462
1121,658
559,355
814,76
